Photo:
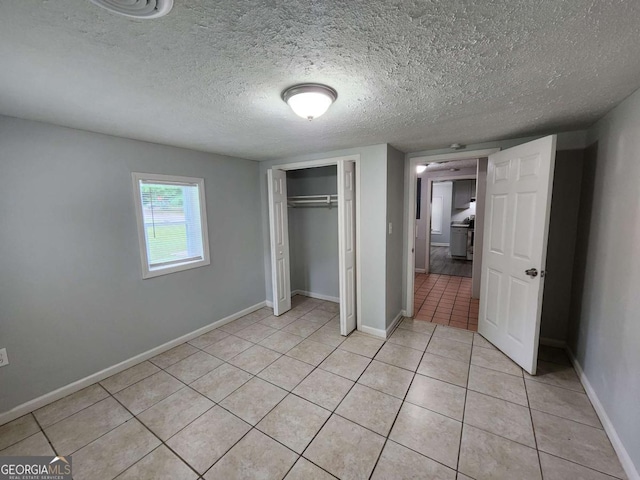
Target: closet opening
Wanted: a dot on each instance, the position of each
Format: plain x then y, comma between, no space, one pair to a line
313,239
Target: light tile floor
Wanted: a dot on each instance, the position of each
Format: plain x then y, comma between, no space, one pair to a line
258,399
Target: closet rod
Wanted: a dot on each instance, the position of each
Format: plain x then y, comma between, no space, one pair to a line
312,199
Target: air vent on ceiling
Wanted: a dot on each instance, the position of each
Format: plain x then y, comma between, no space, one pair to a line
137,8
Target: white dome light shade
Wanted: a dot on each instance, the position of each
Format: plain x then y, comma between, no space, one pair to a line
421,168
309,100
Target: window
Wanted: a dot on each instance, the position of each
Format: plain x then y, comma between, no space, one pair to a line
172,223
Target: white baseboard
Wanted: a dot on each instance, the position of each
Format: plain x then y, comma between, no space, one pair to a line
552,342
319,296
436,244
623,455
420,270
394,324
62,392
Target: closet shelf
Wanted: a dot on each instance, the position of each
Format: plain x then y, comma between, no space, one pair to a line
312,200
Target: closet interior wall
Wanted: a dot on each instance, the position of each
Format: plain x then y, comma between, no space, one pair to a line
313,233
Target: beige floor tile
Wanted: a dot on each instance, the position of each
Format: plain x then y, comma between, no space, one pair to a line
495,360
81,428
462,476
294,422
228,347
576,442
329,335
253,400
221,382
256,456
457,334
562,402
436,395
255,359
208,338
324,388
485,456
56,411
258,315
445,369
161,464
387,378
281,342
498,384
419,326
409,338
346,364
345,449
239,324
256,332
17,430
428,433
302,328
305,470
175,412
174,355
206,439
554,468
318,315
286,372
310,352
327,306
364,345
128,377
399,356
498,416
400,463
370,408
35,445
278,322
192,368
480,341
114,452
148,392
449,348
556,374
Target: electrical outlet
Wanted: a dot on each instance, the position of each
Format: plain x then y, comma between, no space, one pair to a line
4,358
390,228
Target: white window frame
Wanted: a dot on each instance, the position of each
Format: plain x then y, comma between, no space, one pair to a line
148,272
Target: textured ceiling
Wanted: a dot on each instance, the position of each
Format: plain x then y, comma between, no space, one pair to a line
415,74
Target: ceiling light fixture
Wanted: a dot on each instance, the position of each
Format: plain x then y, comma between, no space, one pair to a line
456,146
143,9
309,100
421,168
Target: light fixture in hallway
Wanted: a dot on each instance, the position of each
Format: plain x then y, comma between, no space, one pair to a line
420,169
144,9
309,100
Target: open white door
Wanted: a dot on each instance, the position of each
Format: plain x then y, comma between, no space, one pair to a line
347,245
518,202
279,230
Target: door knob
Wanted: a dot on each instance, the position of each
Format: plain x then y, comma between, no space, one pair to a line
532,272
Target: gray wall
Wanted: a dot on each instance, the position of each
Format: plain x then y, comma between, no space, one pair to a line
605,310
444,189
395,215
563,225
72,298
313,233
373,207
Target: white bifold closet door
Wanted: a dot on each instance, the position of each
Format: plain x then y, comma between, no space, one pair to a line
518,204
347,245
279,241
279,230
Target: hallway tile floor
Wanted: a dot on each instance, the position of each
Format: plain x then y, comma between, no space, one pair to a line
445,300
254,399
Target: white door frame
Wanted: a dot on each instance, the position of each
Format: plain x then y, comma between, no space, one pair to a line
324,162
410,187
